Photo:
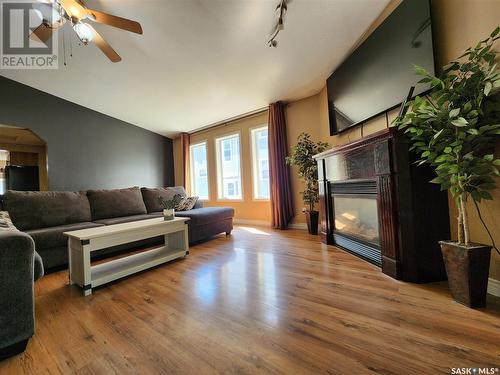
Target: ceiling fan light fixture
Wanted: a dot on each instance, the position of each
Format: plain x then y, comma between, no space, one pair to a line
84,32
47,12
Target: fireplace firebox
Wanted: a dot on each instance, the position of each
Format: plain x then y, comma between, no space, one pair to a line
376,204
356,223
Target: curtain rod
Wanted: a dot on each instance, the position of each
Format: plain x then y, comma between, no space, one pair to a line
227,121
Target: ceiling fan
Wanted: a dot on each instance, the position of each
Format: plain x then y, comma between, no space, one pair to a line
55,13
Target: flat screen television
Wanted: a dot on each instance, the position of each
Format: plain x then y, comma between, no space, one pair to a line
379,73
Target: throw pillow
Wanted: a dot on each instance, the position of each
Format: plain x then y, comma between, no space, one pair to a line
6,222
186,204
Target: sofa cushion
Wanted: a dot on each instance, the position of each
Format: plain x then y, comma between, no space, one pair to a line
150,196
124,219
46,238
42,209
106,204
200,216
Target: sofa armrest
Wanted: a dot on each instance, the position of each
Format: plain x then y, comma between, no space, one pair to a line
17,253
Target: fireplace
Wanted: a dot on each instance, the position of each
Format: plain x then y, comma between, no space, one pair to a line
355,218
376,204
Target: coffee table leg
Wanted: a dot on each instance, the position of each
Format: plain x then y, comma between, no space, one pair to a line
87,290
79,266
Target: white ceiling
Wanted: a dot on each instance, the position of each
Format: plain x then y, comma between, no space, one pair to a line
203,61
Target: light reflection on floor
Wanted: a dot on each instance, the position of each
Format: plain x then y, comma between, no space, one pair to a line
230,284
255,231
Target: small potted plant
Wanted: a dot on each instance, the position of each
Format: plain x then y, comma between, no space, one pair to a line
169,206
454,129
302,158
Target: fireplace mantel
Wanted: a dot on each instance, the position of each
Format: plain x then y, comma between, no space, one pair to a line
412,213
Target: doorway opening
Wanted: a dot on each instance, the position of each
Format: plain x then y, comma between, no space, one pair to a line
23,160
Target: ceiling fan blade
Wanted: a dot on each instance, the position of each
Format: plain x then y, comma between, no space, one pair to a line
73,8
104,46
42,33
115,21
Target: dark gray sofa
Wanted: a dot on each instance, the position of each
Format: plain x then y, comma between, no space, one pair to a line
20,266
46,215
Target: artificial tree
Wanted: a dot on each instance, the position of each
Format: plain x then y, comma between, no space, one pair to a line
454,129
302,157
455,126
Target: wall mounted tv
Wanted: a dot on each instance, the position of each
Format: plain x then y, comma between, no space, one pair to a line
379,73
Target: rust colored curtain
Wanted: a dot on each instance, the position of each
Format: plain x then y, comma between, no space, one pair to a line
279,173
185,158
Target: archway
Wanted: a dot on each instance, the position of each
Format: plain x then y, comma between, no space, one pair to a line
22,150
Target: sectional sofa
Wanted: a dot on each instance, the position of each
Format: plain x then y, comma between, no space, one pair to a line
46,215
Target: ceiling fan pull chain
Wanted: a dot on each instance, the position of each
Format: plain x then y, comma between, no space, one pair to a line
71,45
64,46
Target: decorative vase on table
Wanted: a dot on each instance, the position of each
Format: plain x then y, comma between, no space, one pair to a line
454,128
168,214
169,206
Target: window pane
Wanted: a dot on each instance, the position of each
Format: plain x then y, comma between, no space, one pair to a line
260,155
199,172
228,167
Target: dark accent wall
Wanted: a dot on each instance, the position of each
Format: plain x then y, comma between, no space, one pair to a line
87,149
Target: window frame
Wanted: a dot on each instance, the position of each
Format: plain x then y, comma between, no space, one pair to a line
219,155
254,170
191,169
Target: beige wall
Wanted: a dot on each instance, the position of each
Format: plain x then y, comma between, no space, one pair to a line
247,208
457,25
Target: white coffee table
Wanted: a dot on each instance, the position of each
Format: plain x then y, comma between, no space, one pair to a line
81,243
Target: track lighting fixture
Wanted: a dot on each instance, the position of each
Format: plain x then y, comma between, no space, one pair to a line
281,10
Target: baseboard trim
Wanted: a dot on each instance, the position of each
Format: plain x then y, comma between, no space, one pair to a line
302,226
260,223
494,287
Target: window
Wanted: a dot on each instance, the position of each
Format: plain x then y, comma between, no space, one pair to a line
228,167
260,163
199,172
227,151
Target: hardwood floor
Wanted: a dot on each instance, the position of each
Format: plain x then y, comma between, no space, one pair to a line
258,301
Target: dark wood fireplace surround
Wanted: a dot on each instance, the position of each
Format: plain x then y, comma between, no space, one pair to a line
413,213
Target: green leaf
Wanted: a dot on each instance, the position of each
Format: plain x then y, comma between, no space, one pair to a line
460,122
442,158
487,88
437,180
488,186
438,134
454,112
448,150
485,195
488,157
495,32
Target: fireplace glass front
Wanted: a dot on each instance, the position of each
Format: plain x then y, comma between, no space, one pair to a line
357,216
